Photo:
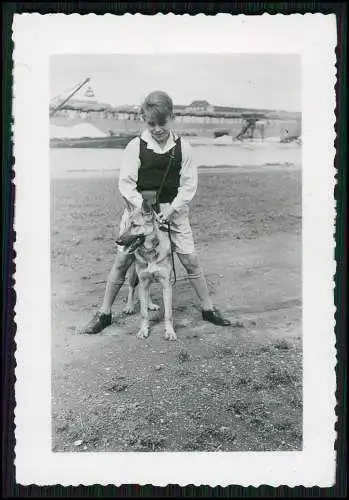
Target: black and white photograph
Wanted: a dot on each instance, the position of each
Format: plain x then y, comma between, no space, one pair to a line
217,263
177,189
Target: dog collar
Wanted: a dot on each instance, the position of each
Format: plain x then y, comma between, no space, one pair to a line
136,243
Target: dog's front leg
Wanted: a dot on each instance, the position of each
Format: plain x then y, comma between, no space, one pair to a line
133,282
131,298
144,297
151,305
167,296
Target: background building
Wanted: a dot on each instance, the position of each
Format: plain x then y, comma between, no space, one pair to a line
200,118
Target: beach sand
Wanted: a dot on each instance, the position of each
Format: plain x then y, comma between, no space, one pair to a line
237,388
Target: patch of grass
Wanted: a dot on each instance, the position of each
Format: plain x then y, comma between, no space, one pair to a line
282,344
183,356
184,372
297,435
149,442
283,425
209,438
263,349
239,406
277,375
219,381
115,386
243,381
61,425
260,420
92,436
259,385
225,350
296,400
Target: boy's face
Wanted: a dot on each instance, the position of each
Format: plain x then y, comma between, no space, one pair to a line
158,128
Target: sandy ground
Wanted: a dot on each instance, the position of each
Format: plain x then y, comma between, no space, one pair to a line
237,388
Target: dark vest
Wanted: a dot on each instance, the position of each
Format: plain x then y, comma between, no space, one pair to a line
152,170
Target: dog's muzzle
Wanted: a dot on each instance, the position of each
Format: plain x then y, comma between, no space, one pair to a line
131,244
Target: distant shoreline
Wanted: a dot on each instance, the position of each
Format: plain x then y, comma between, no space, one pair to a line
121,142
74,174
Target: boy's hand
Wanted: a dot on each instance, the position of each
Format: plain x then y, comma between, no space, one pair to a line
165,215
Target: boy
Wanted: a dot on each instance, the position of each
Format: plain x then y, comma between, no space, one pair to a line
144,163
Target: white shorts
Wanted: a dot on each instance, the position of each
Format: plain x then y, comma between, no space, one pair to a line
181,233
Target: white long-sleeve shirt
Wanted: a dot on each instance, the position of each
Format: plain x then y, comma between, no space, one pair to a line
130,164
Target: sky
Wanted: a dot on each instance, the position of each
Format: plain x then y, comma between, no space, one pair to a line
237,80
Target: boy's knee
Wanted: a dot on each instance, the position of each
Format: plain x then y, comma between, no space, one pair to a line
121,264
192,265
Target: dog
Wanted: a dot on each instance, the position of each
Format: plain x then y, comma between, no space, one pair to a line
143,236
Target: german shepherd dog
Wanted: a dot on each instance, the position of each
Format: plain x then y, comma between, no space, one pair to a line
151,246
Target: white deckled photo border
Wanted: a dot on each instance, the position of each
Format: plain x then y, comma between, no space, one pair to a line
36,38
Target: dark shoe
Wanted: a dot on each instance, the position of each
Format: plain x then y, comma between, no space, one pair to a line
97,324
215,317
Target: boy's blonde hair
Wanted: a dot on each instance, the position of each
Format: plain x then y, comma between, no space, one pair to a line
158,105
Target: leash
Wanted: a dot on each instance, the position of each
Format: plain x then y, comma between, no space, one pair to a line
157,198
157,209
172,256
